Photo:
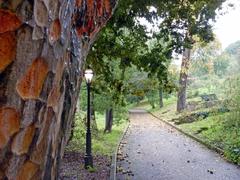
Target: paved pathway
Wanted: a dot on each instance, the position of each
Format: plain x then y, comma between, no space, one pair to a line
152,150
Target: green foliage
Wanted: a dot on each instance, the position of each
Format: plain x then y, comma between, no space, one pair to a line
152,97
104,144
124,42
233,51
221,64
232,119
91,169
208,59
79,126
181,21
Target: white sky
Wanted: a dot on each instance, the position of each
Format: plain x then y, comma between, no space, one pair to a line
227,27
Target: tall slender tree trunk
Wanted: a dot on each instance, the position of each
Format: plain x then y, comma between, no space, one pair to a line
93,117
160,96
43,47
181,101
108,120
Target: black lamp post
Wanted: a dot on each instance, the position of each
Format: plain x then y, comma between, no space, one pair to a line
88,157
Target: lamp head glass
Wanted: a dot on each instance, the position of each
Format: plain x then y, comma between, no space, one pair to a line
88,75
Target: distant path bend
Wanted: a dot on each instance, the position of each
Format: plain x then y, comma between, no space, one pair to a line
152,150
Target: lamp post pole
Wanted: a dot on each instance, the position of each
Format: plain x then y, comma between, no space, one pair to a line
88,156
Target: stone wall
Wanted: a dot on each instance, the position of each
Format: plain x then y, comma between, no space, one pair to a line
43,47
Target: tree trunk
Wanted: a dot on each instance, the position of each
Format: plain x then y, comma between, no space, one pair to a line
93,117
108,120
161,96
181,101
43,47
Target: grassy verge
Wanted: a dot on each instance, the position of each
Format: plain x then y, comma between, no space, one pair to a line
217,129
219,133
102,143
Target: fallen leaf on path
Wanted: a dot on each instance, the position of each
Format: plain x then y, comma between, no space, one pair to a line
210,171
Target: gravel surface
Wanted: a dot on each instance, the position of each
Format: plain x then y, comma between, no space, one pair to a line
72,167
152,150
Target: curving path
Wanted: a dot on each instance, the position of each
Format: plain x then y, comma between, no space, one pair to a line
152,150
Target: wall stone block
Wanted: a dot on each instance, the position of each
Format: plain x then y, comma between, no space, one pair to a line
9,124
9,21
7,49
27,171
30,85
22,140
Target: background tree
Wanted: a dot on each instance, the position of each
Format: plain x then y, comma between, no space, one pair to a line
204,55
188,19
233,52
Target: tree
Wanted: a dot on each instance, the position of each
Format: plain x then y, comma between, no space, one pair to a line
233,52
234,49
181,101
204,56
109,120
109,89
208,59
43,46
180,21
193,19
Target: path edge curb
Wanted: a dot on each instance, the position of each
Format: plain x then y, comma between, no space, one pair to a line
114,156
210,146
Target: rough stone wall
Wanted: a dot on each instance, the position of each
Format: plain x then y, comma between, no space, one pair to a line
43,46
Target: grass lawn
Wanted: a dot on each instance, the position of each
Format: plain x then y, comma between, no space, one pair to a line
219,133
102,143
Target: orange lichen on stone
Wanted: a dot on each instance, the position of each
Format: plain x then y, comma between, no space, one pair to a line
7,49
107,6
9,21
90,7
54,31
27,171
23,140
30,85
9,124
81,31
